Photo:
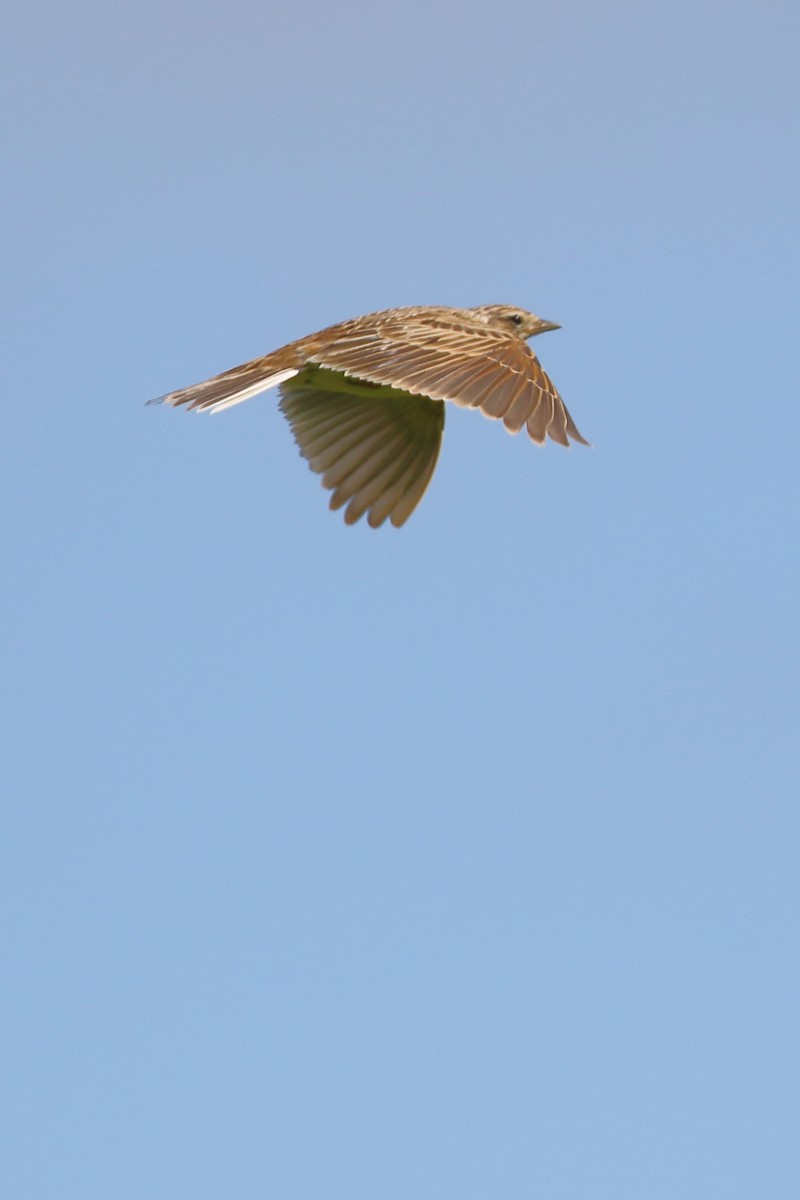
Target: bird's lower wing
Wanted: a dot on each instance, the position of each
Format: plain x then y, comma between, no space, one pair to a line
375,447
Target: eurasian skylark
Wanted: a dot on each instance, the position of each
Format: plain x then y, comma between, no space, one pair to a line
365,399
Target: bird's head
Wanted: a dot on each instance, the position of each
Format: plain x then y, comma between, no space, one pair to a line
515,320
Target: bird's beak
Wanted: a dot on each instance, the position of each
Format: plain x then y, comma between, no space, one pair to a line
545,327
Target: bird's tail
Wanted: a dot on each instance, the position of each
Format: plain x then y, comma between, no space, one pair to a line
236,385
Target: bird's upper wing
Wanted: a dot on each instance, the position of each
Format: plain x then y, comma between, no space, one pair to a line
433,355
375,447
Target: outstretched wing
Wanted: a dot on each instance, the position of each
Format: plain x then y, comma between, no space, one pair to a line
433,354
375,447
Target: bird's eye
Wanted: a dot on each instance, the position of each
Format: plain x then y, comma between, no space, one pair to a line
516,318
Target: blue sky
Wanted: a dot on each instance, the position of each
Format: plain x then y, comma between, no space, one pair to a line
459,860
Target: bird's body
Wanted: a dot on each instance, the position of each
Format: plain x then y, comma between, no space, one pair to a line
366,398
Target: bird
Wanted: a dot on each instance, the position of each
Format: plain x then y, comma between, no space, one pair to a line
366,398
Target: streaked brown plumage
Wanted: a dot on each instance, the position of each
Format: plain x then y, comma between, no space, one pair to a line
365,399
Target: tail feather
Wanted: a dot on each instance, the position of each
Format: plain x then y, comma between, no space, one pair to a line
231,387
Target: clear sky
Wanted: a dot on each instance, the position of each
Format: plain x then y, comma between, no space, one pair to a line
454,861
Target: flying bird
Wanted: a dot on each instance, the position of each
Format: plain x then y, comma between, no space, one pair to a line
366,398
